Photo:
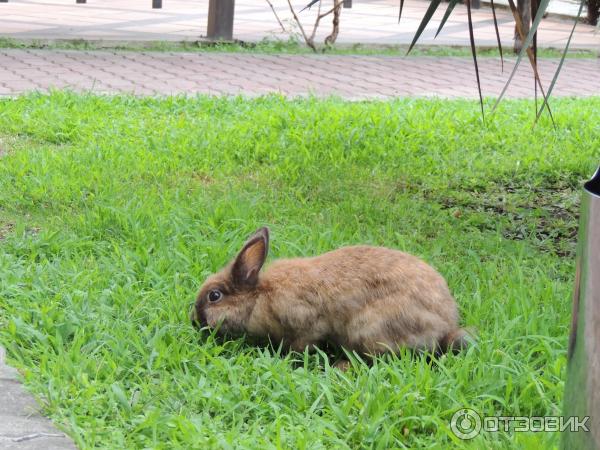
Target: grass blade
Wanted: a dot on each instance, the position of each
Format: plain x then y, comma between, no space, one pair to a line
449,9
498,34
524,49
426,18
560,64
474,52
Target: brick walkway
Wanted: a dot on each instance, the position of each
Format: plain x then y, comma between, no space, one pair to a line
354,77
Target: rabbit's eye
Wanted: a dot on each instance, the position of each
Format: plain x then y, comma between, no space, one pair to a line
214,295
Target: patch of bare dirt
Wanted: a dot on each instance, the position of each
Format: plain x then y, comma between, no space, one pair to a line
5,229
547,215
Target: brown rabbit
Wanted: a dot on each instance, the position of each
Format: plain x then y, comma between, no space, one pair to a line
366,299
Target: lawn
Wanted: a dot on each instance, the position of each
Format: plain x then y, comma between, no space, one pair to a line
114,209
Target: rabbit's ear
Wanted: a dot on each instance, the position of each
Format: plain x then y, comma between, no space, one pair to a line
251,258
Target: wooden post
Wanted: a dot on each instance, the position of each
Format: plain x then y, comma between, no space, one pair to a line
593,14
220,19
156,4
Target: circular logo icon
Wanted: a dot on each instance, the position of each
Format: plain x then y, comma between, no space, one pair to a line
465,423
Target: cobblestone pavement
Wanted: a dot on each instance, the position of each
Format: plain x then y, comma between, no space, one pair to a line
353,77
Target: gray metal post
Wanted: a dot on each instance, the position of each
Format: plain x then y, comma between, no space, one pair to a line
220,19
582,387
80,1
156,4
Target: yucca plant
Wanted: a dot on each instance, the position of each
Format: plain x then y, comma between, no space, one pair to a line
526,26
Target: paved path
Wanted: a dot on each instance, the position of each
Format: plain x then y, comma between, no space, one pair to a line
353,77
21,426
367,22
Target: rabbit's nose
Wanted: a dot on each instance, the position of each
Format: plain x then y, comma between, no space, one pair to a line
201,318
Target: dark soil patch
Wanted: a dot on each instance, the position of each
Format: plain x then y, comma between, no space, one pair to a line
5,229
547,215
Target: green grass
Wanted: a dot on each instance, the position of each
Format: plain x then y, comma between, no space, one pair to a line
276,46
113,210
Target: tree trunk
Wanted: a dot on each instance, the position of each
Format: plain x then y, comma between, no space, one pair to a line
330,40
524,8
220,19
